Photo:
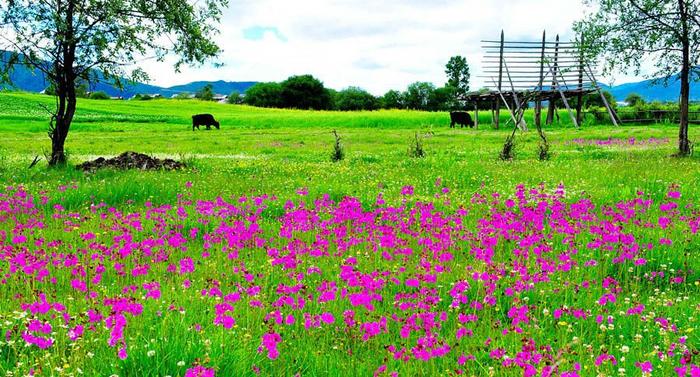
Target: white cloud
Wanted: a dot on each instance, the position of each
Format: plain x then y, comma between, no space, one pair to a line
377,45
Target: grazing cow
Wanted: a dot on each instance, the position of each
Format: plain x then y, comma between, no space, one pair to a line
204,120
462,118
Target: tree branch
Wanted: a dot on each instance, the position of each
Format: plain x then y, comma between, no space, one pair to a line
656,18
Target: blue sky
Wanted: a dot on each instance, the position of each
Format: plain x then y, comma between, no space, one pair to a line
377,45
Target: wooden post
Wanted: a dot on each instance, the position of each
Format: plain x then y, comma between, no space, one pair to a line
579,105
515,104
512,113
538,103
553,97
563,97
611,112
500,80
476,115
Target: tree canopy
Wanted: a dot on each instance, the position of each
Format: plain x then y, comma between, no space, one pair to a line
206,93
418,94
305,92
354,98
264,94
457,71
634,99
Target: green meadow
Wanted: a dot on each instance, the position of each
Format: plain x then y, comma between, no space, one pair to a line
280,151
287,154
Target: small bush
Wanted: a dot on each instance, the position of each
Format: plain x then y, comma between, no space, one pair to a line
187,159
338,153
508,151
183,95
416,149
543,151
3,161
143,97
99,95
543,147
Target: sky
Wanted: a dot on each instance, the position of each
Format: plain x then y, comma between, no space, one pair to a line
373,44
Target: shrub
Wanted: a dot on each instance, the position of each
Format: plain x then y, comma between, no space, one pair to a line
99,95
508,151
416,149
338,153
183,95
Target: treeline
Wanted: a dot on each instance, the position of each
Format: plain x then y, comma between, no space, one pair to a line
307,92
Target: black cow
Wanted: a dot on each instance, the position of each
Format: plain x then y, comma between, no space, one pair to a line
204,120
462,118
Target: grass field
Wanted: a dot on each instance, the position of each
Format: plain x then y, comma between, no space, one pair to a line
456,263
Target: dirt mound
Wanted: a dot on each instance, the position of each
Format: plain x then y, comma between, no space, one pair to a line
131,160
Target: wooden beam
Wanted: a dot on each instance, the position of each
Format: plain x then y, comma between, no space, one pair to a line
512,114
538,104
522,125
611,112
579,105
553,98
563,98
500,80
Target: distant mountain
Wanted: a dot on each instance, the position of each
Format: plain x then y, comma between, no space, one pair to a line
221,87
651,91
32,80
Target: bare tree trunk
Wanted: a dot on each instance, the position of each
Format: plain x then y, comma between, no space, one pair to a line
65,89
64,118
683,141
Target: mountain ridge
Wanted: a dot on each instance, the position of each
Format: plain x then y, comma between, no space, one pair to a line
32,80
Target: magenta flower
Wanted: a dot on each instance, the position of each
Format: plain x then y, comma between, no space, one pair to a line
645,366
200,371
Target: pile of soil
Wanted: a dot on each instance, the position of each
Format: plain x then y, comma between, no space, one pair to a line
131,160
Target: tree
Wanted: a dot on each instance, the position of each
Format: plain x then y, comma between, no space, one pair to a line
457,71
235,98
418,95
443,99
305,92
392,100
354,98
264,94
634,100
593,99
93,40
628,32
206,93
333,94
